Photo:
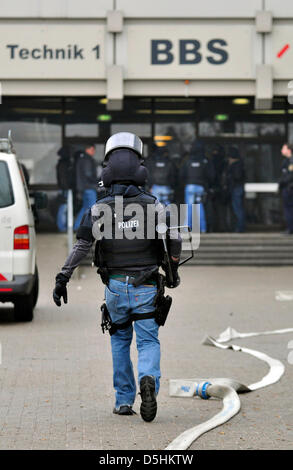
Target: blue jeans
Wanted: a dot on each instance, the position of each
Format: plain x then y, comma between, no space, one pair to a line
192,191
61,217
237,201
89,197
122,299
162,193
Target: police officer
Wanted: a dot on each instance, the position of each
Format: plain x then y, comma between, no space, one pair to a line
286,186
86,179
129,268
162,174
233,183
198,175
217,196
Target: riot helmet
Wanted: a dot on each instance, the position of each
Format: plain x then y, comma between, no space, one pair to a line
123,140
123,161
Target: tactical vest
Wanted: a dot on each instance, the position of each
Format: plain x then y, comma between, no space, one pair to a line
196,172
120,251
161,172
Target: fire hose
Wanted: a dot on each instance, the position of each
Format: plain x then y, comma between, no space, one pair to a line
225,389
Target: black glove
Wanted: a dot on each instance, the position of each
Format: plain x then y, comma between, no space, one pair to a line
176,279
60,289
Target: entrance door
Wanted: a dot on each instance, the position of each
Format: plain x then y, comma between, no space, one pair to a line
262,163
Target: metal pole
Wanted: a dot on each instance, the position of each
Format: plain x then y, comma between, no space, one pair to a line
69,220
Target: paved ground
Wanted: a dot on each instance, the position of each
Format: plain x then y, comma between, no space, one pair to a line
56,380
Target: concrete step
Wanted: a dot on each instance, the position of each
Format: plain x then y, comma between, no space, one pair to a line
244,249
250,249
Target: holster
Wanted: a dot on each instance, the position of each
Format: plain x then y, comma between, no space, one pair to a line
106,322
162,303
162,309
108,325
104,273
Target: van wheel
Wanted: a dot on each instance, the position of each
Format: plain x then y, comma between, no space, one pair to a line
36,287
24,307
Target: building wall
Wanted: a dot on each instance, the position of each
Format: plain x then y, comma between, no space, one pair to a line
123,48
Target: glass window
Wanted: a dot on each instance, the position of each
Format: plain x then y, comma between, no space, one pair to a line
81,130
246,129
178,137
290,132
140,129
6,193
272,129
251,154
36,134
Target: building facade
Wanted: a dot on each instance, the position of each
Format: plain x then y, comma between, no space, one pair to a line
73,72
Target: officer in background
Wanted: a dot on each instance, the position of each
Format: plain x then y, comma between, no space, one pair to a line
86,179
233,185
162,174
286,186
217,196
129,268
198,175
65,181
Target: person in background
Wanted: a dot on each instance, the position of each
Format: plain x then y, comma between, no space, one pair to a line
65,181
218,204
86,180
286,186
198,175
162,174
234,178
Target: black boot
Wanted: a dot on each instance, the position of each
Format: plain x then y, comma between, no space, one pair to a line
125,410
148,407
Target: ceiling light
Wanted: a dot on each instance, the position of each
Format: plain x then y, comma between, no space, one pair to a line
240,101
174,111
163,137
269,111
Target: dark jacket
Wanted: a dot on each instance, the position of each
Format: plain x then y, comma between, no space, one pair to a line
234,175
286,180
218,160
85,171
198,169
161,169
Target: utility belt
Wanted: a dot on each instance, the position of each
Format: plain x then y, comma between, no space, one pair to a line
145,277
131,280
162,306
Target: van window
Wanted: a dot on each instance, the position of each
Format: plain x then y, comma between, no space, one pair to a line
6,193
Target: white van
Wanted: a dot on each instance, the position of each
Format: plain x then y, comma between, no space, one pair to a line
18,269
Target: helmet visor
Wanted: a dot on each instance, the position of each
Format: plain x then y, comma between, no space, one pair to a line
124,140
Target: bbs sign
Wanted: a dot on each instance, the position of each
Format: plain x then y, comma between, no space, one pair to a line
190,51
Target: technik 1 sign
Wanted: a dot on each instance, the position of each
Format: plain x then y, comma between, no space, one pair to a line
188,52
52,50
